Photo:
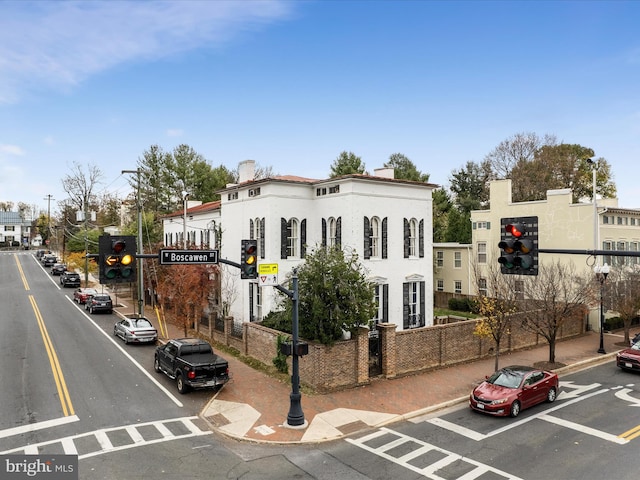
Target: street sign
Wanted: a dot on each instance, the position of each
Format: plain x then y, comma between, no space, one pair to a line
188,257
267,268
267,274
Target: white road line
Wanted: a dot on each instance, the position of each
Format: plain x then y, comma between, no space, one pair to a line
584,429
453,427
32,427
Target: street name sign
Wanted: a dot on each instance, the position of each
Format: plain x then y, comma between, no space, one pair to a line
188,257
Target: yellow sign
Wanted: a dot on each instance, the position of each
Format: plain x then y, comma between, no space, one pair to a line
267,268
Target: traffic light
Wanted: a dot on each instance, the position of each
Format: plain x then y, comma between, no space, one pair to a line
519,245
249,259
117,258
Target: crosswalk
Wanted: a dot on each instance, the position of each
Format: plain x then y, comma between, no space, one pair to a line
109,440
425,459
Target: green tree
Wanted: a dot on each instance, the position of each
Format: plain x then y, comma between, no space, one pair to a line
154,177
441,207
458,226
334,295
405,169
517,149
347,163
470,186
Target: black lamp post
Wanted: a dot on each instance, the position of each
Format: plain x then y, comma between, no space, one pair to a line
601,274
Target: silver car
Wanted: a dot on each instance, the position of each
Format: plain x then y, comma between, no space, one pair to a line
135,330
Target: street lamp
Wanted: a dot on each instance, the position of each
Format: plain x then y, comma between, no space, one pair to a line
185,195
601,274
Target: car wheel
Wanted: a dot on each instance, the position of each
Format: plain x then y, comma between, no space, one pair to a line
552,394
182,387
126,340
515,409
156,364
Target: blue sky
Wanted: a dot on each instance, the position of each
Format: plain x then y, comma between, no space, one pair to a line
291,84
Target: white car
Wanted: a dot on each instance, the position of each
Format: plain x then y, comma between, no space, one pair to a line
135,330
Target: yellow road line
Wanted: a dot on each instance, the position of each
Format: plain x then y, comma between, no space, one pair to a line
22,276
63,393
631,434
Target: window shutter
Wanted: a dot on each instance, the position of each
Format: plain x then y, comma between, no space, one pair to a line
488,225
405,306
421,239
283,238
384,238
385,303
422,304
367,238
473,225
324,232
406,238
303,238
251,229
339,231
262,237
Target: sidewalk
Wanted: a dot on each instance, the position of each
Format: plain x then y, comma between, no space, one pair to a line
254,406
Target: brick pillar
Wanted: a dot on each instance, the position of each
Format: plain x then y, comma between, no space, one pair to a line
388,348
228,328
362,355
245,338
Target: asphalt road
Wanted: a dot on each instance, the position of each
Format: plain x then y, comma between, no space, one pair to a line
68,383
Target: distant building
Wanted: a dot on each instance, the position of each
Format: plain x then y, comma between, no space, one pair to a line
14,230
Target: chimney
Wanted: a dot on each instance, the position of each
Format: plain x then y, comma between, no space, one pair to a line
385,172
246,171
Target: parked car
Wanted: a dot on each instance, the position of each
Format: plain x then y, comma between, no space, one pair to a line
58,269
70,279
192,363
81,295
512,389
99,302
629,359
135,330
49,260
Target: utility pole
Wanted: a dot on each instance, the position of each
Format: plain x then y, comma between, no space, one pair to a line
49,198
85,209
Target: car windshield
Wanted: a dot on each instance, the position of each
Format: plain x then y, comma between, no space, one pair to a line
506,378
141,323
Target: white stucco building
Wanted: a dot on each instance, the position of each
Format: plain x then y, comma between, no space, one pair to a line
385,221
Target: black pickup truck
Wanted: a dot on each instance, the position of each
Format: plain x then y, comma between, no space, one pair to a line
192,363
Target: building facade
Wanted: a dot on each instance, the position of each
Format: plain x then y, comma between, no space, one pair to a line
386,222
14,230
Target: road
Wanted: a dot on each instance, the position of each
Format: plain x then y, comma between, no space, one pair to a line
69,386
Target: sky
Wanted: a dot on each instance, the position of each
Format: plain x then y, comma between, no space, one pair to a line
292,84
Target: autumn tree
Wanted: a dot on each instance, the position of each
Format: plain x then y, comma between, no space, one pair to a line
496,305
185,289
347,163
555,296
623,292
515,150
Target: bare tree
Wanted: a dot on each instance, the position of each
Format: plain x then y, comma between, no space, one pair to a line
517,149
553,297
623,286
496,304
80,185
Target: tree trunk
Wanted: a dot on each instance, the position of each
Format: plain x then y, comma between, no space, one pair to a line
495,366
552,350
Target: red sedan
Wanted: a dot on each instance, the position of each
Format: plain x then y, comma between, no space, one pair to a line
81,294
629,359
512,389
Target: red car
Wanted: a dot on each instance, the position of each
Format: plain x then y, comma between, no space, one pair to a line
80,295
629,359
512,389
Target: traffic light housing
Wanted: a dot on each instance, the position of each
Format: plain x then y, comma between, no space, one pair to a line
519,246
249,259
117,258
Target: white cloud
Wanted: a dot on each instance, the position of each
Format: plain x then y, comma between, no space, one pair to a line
175,132
59,44
12,150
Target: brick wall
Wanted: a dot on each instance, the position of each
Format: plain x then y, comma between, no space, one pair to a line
345,364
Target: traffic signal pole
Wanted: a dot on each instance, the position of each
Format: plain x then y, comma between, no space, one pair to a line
609,253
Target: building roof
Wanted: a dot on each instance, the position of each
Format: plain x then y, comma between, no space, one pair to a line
203,208
12,218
